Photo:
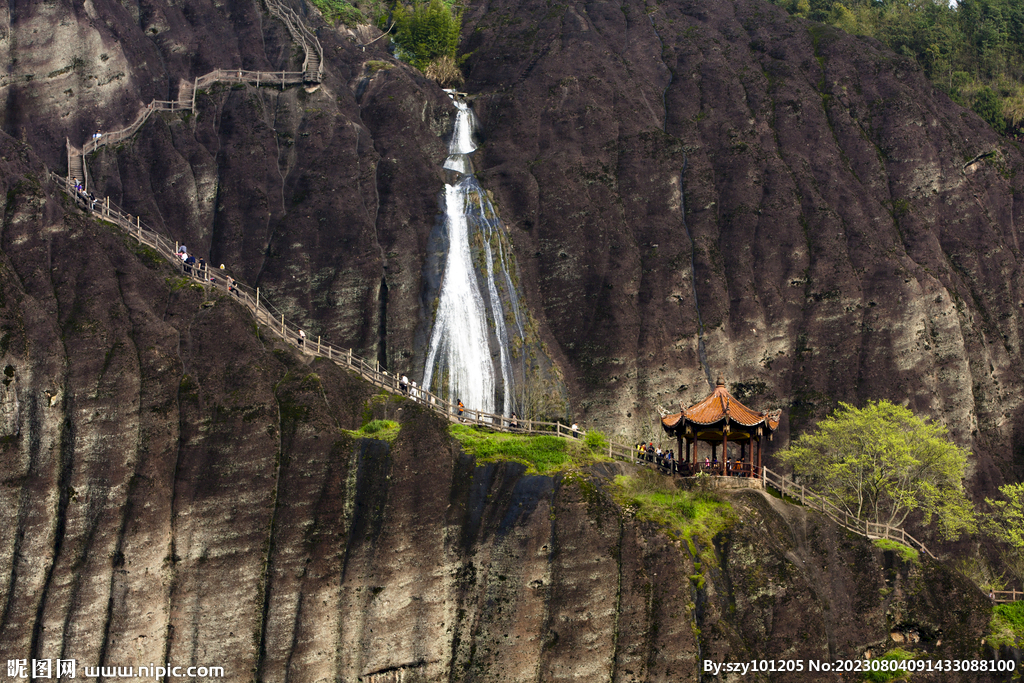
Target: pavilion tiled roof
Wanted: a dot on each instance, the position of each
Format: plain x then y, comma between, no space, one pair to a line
719,405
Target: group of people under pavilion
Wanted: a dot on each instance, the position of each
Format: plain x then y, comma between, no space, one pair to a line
720,421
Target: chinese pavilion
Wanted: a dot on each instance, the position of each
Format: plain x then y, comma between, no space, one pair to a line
722,420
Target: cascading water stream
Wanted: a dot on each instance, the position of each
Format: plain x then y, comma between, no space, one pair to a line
469,327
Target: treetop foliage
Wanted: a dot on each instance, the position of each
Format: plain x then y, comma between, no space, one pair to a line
1008,515
881,463
972,49
426,31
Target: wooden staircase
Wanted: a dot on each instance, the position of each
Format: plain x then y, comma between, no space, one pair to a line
76,165
311,75
186,94
312,66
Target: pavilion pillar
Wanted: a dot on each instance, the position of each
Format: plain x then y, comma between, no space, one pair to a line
688,451
743,452
759,454
725,448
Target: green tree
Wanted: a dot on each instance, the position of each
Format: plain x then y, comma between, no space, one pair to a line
425,32
881,463
1008,515
987,106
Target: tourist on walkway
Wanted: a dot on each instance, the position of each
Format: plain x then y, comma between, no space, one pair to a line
302,338
404,385
514,422
575,430
462,408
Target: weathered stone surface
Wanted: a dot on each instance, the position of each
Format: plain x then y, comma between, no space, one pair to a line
176,489
804,187
800,192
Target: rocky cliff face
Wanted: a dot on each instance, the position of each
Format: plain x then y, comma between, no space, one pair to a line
805,195
799,203
177,489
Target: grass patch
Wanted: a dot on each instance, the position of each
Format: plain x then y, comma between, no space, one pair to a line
1007,625
905,551
382,430
892,660
177,284
540,454
685,514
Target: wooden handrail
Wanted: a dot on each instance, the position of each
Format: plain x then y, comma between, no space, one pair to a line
841,517
300,34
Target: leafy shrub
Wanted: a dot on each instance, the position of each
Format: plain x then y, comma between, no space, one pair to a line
987,106
426,31
1007,625
340,10
596,441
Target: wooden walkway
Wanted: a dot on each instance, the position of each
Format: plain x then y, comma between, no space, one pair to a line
311,75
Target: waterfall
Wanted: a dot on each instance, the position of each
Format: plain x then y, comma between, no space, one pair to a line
469,356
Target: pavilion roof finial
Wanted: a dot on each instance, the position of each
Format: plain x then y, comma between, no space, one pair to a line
721,380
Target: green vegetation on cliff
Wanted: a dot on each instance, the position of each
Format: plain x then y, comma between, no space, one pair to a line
426,35
890,660
685,514
1007,519
1007,625
340,10
382,430
540,454
905,551
973,50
